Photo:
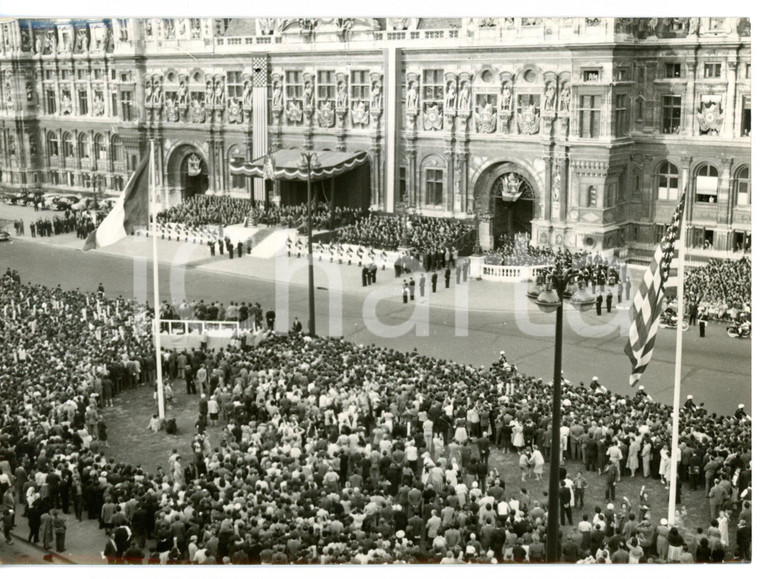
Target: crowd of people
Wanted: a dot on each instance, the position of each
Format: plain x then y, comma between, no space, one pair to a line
723,287
205,210
83,222
323,451
516,250
426,235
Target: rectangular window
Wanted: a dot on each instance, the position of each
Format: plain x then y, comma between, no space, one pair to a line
671,114
432,95
114,104
83,102
591,75
126,76
360,85
234,84
742,192
707,189
622,74
50,101
68,146
98,72
65,74
81,74
126,105
621,115
326,85
49,74
434,187
659,231
672,70
712,70
54,179
747,71
590,116
402,182
667,187
293,90
746,116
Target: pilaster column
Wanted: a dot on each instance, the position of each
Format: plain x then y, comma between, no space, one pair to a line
547,199
689,104
560,183
728,121
689,203
724,207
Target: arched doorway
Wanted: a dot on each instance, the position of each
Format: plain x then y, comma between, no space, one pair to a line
187,172
507,192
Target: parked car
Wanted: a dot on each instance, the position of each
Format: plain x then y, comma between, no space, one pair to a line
82,204
4,235
65,202
14,198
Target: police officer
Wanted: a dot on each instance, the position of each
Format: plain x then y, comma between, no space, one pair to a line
702,323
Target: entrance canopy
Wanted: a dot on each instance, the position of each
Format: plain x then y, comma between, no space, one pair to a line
287,164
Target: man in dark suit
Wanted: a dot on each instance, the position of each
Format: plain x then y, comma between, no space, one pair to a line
609,301
565,497
693,311
702,323
447,277
422,285
599,301
434,281
411,288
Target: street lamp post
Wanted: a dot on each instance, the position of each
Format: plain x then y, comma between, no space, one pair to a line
95,180
309,161
551,300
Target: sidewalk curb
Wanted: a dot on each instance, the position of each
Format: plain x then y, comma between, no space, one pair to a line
17,537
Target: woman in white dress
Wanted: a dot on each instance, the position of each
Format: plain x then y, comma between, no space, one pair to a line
538,463
723,517
665,467
460,434
633,455
518,441
646,457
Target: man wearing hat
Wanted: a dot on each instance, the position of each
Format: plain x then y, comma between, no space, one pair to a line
689,402
740,414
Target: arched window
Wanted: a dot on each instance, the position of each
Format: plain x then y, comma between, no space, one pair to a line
707,184
68,145
667,182
101,148
743,188
84,146
118,149
52,140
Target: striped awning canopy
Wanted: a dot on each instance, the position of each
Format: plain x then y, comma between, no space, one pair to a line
289,164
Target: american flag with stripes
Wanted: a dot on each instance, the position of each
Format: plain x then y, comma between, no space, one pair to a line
648,300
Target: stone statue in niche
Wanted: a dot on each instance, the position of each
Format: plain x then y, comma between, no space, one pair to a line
66,105
377,95
464,96
219,94
247,95
693,26
411,97
556,182
342,98
32,145
98,105
148,93
451,96
564,99
172,114
25,45
38,44
549,96
277,95
157,94
81,40
308,95
209,94
506,97
182,95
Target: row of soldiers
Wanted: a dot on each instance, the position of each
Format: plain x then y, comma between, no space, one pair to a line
227,243
461,270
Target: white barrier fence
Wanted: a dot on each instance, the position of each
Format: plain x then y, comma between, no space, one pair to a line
504,273
182,232
190,334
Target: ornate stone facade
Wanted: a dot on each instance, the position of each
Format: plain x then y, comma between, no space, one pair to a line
600,140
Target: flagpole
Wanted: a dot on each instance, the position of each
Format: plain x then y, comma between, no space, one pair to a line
677,378
156,303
